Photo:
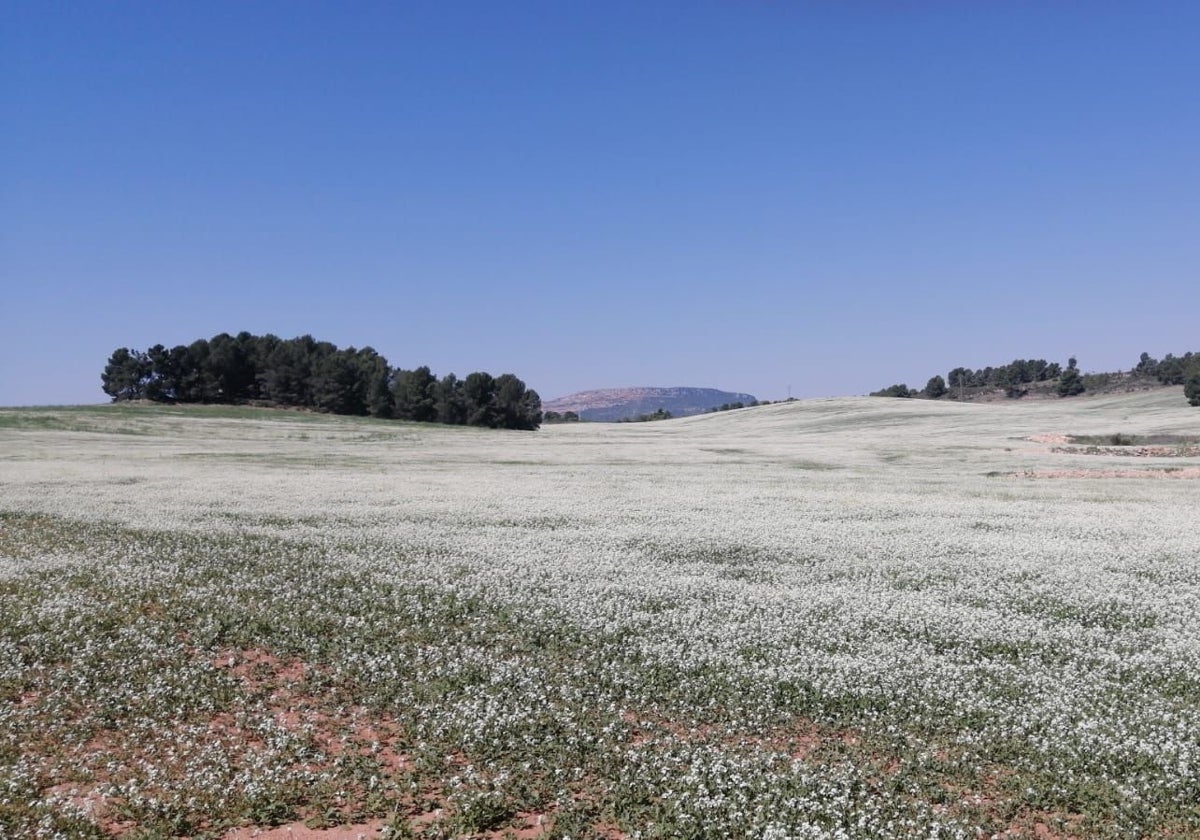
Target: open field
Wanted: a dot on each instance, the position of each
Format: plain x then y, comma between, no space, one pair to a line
848,618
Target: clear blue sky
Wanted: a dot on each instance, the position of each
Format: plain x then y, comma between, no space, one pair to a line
745,195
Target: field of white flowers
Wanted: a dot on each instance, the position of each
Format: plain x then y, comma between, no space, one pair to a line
845,618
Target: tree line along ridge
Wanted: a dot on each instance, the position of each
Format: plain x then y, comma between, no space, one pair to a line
305,373
1020,376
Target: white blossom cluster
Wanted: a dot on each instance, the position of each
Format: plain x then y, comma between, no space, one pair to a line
823,619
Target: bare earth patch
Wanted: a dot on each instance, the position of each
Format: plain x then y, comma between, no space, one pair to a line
332,731
1048,438
299,831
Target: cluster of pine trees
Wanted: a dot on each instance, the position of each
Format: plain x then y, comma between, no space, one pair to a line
304,372
1174,370
1013,377
1010,377
1016,376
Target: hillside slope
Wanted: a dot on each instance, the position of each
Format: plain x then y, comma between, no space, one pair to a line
803,594
609,404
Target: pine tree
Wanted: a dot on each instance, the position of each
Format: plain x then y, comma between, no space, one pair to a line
1191,388
1070,384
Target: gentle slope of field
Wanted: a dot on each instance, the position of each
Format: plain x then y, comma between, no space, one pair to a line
609,404
853,618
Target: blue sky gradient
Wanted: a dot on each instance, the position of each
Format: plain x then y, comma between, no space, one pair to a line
744,195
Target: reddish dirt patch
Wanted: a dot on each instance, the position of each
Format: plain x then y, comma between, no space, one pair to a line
531,825
299,831
348,729
86,800
326,727
259,668
1044,826
527,826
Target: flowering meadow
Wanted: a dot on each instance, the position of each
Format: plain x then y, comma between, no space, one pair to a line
845,618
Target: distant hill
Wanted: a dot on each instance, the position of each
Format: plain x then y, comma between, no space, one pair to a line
623,403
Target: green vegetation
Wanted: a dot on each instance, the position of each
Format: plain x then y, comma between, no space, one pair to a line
306,373
901,390
1020,376
1070,384
736,404
657,414
1010,377
1174,370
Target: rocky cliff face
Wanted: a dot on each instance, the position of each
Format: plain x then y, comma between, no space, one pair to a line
622,403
